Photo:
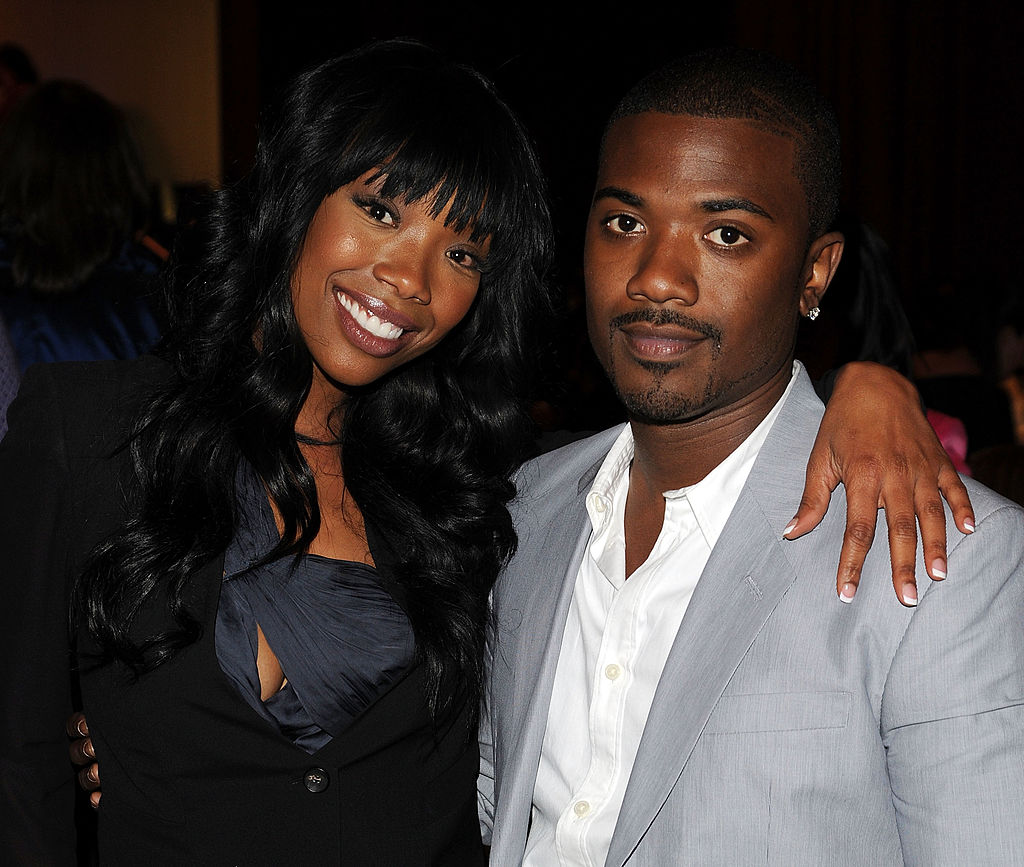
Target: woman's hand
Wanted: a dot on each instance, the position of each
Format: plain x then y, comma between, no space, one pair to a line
876,440
84,756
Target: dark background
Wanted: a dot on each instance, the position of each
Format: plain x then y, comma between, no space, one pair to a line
928,96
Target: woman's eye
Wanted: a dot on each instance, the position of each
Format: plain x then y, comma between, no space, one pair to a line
727,236
377,211
464,258
623,224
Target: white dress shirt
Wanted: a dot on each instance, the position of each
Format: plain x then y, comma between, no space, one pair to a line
617,637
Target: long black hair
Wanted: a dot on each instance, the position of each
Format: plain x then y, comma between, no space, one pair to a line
428,450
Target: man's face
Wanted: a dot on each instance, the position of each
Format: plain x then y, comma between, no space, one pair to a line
697,264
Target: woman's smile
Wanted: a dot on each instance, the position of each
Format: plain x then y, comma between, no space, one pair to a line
371,324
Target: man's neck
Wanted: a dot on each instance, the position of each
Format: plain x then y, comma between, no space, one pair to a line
671,456
668,457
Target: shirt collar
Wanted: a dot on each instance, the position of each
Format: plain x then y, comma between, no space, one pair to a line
712,498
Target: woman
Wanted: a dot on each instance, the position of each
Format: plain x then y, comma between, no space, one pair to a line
395,202
76,271
279,587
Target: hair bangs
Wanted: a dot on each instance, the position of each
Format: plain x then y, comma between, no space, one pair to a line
462,172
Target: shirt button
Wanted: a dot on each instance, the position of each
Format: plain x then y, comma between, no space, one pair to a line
316,780
599,505
581,808
612,671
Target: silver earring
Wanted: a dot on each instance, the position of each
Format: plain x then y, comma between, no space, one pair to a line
813,313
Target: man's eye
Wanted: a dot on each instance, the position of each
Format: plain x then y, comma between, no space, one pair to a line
623,224
727,236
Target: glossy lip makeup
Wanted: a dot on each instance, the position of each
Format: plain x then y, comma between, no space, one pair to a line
370,324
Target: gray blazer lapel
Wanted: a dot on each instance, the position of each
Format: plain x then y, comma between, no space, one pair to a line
746,576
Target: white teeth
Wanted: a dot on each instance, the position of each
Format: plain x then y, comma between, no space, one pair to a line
368,321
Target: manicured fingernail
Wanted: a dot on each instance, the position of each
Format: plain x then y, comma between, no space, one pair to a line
790,527
93,774
938,568
88,749
847,593
909,594
80,728
968,526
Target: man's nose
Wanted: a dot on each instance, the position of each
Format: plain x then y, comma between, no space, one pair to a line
665,271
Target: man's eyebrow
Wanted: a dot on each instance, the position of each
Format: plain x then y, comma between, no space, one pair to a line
624,196
716,206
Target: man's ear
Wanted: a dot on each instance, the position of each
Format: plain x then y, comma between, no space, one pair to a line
819,268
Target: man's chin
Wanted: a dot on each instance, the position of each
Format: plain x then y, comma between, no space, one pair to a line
660,407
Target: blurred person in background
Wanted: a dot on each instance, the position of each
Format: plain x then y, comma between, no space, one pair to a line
1001,465
17,77
1010,356
9,376
75,273
955,364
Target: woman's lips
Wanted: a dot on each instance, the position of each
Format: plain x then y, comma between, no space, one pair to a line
369,321
371,325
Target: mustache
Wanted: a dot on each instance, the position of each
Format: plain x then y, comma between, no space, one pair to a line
667,317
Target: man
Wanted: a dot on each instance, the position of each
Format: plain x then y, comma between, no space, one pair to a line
671,682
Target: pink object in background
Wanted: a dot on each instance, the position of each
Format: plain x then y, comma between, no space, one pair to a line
953,436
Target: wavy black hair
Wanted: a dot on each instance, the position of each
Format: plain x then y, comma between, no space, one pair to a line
428,450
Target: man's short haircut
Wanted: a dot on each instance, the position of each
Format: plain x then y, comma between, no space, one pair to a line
745,84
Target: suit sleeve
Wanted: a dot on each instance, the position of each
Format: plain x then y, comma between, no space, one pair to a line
485,780
953,708
36,777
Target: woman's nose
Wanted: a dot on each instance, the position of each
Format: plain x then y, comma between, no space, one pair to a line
403,267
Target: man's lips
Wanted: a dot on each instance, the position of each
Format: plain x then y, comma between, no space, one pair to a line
654,341
662,335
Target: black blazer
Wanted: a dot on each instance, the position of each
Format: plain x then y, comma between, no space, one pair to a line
191,775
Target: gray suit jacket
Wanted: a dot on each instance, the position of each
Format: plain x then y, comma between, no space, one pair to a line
787,728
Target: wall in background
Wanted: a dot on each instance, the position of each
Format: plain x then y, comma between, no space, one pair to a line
158,61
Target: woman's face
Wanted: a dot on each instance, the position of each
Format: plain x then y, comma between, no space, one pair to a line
378,283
